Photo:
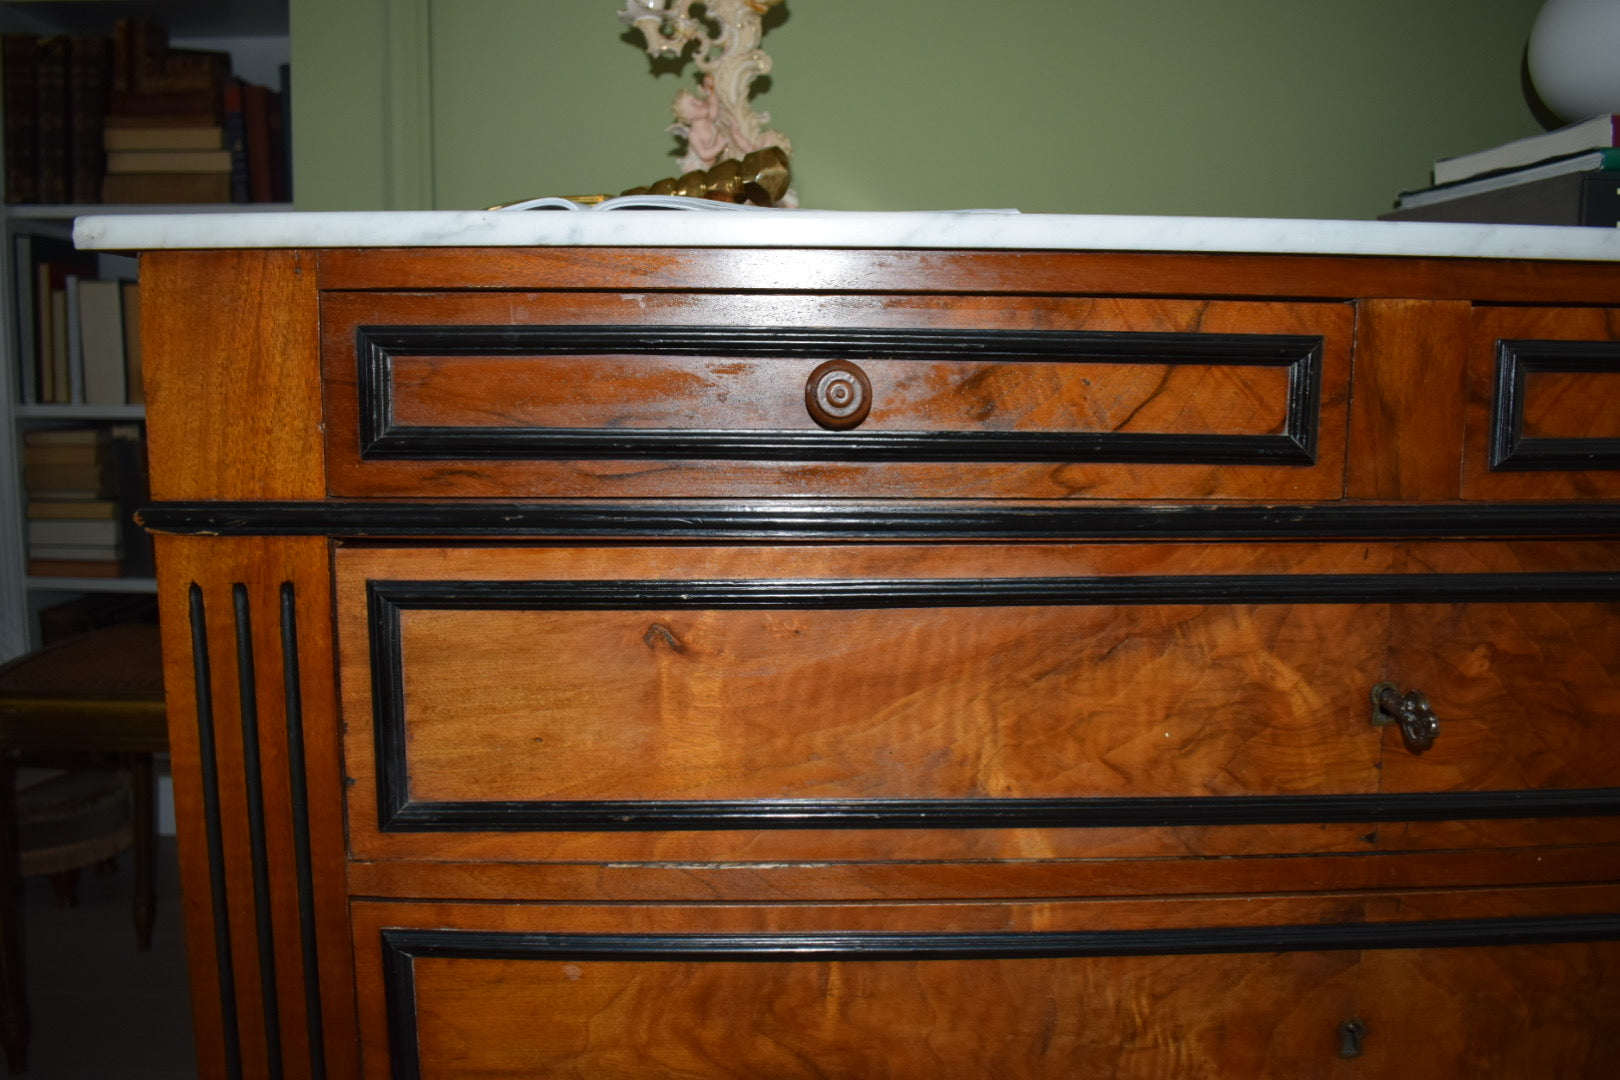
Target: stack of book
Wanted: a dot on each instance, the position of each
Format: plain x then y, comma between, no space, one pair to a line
1569,176
78,325
128,118
165,120
73,527
83,485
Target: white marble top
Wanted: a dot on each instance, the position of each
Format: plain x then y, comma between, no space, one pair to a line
840,229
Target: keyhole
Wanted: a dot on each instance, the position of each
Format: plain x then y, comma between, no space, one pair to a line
1352,1033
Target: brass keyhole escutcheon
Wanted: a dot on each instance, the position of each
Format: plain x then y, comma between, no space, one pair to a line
838,395
1410,712
1352,1034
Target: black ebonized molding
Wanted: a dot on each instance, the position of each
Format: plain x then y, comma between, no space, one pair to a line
397,812
1514,451
293,695
213,832
383,439
401,948
253,780
400,815
384,520
388,597
884,946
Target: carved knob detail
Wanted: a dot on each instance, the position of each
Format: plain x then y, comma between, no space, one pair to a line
838,395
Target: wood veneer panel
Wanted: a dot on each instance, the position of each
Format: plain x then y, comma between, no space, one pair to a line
1098,876
232,375
1406,417
1459,1014
1011,273
1525,692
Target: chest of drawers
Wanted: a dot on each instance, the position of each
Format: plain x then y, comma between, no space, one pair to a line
727,662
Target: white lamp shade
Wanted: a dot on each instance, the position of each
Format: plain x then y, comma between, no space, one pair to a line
1574,57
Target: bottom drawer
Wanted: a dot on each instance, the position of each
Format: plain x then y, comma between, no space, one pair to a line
462,991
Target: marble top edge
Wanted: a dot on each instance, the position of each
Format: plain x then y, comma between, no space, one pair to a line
991,230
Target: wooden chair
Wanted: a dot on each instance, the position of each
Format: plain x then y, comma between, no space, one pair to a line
98,695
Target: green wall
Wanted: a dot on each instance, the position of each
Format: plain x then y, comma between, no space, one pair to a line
1288,108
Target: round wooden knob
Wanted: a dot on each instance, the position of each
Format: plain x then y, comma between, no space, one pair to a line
838,395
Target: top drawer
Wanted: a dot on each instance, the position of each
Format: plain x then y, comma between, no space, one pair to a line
552,394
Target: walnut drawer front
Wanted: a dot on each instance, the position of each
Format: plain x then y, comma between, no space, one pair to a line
519,687
645,395
1017,990
523,690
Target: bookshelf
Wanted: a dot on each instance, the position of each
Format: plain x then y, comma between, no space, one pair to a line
255,35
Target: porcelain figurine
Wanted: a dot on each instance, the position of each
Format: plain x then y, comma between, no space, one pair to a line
716,120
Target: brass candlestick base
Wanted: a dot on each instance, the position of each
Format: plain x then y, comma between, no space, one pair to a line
761,177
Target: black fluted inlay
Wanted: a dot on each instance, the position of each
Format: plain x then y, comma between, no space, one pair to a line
213,833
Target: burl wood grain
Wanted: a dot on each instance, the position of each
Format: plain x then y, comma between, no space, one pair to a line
952,702
1406,415
725,393
1526,694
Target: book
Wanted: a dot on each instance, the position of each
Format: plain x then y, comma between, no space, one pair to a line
235,135
92,481
163,137
101,341
72,509
51,63
168,161
75,552
256,130
102,532
1592,133
20,87
202,187
134,383
1583,198
1590,161
96,568
89,77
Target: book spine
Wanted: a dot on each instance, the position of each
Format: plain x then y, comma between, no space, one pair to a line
21,90
236,142
89,83
51,119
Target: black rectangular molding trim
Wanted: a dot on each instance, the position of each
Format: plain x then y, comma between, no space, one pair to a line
401,948
381,519
1514,451
381,438
397,812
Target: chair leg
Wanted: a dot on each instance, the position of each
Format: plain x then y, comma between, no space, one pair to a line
143,812
14,1019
